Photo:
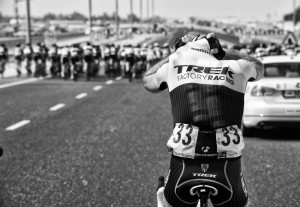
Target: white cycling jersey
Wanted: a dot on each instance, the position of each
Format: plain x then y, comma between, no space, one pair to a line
206,95
27,50
18,51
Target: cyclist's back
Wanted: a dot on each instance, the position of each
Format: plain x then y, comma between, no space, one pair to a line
207,98
203,90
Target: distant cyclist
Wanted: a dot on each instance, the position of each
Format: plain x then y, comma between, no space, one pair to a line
113,59
28,55
150,56
18,53
39,57
65,56
107,59
121,58
54,57
44,57
165,50
129,61
76,62
3,58
157,52
89,59
207,98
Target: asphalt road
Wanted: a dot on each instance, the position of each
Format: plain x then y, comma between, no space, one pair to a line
108,148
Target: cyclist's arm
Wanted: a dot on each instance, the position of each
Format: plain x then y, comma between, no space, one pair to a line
151,76
246,62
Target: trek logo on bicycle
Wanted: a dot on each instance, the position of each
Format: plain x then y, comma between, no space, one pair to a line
188,142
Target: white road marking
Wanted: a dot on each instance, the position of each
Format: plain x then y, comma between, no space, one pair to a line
97,88
82,95
17,125
20,82
56,107
119,78
109,82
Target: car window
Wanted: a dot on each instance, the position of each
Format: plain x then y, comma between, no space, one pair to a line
288,70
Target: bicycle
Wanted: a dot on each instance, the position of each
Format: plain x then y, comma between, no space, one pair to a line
203,192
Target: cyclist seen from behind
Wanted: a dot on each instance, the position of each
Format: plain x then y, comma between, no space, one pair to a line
207,98
18,54
3,58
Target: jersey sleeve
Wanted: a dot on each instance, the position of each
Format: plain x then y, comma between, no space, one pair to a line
161,77
248,69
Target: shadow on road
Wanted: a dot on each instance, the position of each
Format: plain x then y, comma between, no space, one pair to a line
279,133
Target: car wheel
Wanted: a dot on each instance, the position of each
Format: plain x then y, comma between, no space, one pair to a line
247,131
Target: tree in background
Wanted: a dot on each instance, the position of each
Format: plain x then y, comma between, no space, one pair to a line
134,18
289,17
192,20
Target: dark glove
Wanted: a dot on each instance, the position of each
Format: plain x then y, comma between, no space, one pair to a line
178,43
215,46
1,151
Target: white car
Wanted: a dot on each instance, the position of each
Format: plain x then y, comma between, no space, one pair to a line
275,99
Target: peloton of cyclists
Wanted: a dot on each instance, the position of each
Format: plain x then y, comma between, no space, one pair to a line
66,61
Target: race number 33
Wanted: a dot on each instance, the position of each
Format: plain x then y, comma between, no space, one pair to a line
230,140
183,134
183,140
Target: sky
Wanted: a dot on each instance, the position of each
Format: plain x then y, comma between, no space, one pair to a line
205,9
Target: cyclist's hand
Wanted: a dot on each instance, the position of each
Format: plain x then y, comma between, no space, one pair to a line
215,46
1,151
179,43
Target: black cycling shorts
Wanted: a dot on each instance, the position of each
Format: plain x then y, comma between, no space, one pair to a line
187,175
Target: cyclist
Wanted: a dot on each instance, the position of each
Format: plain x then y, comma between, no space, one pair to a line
207,98
136,72
165,50
44,57
121,57
107,60
113,59
55,67
157,52
3,58
18,53
89,59
129,61
38,59
144,57
97,59
75,62
150,57
65,62
28,53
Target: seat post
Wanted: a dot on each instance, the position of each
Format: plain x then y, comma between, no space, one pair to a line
204,196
